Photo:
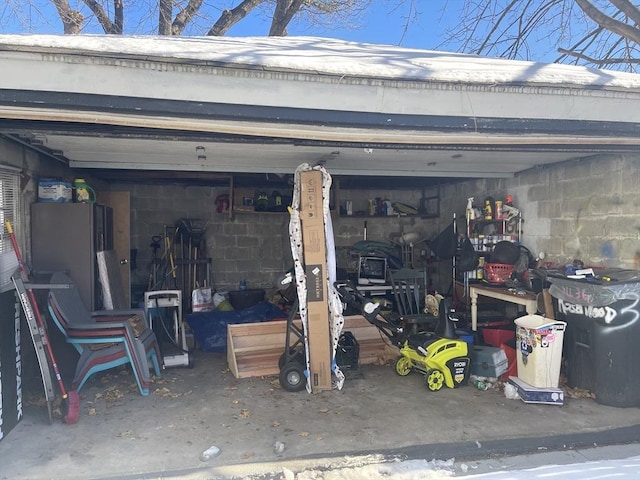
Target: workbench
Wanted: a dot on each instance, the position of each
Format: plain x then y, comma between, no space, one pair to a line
529,299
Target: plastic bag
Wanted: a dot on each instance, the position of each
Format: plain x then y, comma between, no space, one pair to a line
220,303
468,257
218,298
202,300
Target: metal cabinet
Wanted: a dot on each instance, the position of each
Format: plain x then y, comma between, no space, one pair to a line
66,237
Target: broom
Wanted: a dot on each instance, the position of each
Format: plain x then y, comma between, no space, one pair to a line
70,400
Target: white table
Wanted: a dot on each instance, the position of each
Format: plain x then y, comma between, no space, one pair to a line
529,300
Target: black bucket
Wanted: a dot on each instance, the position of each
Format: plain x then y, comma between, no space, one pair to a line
505,252
241,299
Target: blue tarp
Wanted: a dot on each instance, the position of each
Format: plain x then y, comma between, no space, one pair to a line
210,328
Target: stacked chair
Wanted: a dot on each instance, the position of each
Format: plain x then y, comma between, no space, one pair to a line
104,339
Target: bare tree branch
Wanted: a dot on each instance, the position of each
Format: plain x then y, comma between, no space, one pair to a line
629,9
185,16
285,10
504,13
609,23
509,28
71,19
102,17
164,16
407,22
590,37
118,15
595,61
230,17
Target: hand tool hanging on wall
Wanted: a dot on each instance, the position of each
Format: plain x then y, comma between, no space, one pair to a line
70,399
191,234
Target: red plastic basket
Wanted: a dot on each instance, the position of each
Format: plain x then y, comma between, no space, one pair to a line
498,272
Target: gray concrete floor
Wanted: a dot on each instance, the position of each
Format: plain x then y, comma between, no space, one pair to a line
121,434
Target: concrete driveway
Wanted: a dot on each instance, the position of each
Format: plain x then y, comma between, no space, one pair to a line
258,426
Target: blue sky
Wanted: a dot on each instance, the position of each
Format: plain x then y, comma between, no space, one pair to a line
380,24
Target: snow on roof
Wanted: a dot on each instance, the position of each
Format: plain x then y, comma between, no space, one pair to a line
331,56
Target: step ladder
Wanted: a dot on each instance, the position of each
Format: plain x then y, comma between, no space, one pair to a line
38,336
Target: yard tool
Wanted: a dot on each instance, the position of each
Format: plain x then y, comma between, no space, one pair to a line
439,355
172,263
70,399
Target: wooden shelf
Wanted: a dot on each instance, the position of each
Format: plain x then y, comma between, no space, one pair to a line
429,206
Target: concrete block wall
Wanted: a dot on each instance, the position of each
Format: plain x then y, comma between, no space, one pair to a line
587,209
247,247
250,247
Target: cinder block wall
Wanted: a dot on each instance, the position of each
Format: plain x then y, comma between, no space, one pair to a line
587,209
251,247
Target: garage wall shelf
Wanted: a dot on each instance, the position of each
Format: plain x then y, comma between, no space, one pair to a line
484,234
250,197
245,195
261,200
360,203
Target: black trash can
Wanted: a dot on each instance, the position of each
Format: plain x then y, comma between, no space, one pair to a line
603,330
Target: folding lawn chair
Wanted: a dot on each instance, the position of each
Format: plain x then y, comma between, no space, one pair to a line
104,339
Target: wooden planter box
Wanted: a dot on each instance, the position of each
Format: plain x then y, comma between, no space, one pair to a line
253,349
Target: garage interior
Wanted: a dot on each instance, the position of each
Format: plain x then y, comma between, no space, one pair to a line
205,165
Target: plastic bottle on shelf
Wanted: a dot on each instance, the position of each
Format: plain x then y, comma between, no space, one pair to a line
480,271
489,243
488,208
498,213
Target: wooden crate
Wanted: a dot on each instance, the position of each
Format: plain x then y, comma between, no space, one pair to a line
253,349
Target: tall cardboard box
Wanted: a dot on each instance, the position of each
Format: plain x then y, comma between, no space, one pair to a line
315,260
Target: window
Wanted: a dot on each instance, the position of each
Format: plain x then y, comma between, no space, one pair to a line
9,211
